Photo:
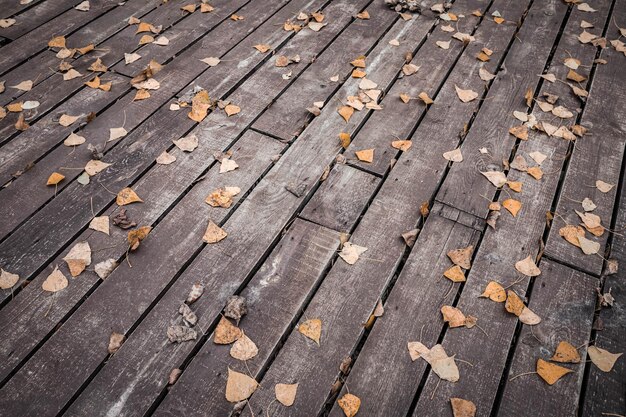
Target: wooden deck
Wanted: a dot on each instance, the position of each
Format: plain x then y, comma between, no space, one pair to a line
295,109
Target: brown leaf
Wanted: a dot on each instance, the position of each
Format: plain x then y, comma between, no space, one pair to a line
461,257
115,342
350,404
344,139
551,372
565,353
527,267
214,233
244,348
495,292
286,393
136,236
512,205
226,332
365,155
454,274
78,258
199,106
346,112
127,196
239,386
55,178
403,145
56,281
7,279
462,408
312,329
231,110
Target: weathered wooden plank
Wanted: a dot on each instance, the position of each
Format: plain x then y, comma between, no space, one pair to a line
604,392
36,16
275,295
383,376
190,29
168,246
287,116
37,40
130,114
465,187
128,160
269,200
53,90
565,300
513,240
10,8
24,327
28,147
341,199
597,156
40,67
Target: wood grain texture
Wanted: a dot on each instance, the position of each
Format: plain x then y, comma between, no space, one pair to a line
396,120
35,16
597,156
37,39
465,188
565,300
604,391
383,376
24,327
341,198
164,125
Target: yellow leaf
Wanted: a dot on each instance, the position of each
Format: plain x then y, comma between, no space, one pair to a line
344,138
454,274
346,112
127,196
57,42
551,372
365,155
55,178
136,236
495,292
513,206
565,353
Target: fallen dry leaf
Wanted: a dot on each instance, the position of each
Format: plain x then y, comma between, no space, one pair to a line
403,145
135,237
56,281
7,279
512,205
188,143
286,393
462,408
55,178
226,332
462,257
454,274
100,224
365,155
115,342
465,95
495,292
603,359
497,178
454,155
228,165
214,233
527,267
95,166
551,372
565,353
312,329
351,252
350,404
78,258
239,386
244,348
603,186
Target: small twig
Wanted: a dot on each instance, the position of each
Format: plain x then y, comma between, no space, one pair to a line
523,374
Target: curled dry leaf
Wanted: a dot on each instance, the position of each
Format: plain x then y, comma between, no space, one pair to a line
589,247
455,318
286,393
226,332
227,165
214,233
115,342
7,279
350,404
442,364
572,233
512,205
56,281
199,106
566,353
403,145
236,307
103,269
135,237
351,252
196,292
603,359
527,267
551,372
222,197
179,334
127,196
312,329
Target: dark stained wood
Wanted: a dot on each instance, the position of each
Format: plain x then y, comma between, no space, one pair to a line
513,240
37,39
465,187
261,205
36,16
597,156
604,391
341,198
25,327
131,114
565,300
287,116
383,376
274,295
397,119
11,8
